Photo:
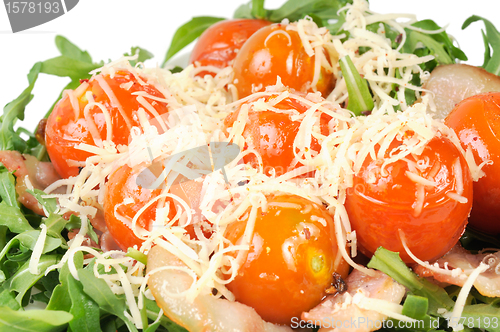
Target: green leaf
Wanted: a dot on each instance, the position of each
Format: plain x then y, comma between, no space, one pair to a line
50,204
13,218
33,320
415,306
391,264
13,111
442,38
70,50
137,255
8,188
323,9
100,292
152,312
143,55
23,280
61,300
27,240
360,98
482,316
84,310
64,66
437,49
188,32
8,299
258,10
492,38
290,9
244,11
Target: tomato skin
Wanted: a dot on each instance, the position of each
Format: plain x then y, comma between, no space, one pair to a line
64,131
379,206
219,44
475,120
121,187
269,53
272,134
266,282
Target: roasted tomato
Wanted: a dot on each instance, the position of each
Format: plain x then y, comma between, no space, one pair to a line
275,51
219,44
475,120
292,258
273,133
70,124
123,199
427,197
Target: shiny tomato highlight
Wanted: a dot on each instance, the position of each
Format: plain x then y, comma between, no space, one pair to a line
380,205
291,261
274,51
272,134
219,44
476,122
66,128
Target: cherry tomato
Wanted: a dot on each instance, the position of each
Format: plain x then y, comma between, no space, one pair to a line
65,129
274,51
219,44
123,198
475,120
291,260
272,134
381,204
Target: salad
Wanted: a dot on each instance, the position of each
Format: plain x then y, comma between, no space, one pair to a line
301,172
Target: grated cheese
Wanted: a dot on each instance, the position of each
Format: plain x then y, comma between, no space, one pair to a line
197,109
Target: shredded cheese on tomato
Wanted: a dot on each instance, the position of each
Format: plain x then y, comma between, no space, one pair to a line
197,109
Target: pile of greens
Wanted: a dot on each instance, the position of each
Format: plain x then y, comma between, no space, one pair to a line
89,304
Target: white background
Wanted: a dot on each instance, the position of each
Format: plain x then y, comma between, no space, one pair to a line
108,28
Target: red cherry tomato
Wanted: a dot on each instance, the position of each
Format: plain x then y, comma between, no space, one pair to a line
380,205
123,198
475,120
272,134
65,130
274,51
219,44
291,259
119,210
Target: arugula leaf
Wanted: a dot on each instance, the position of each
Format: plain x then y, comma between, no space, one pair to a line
360,98
258,10
28,239
143,55
70,50
14,111
33,320
324,9
50,204
66,67
415,306
391,264
13,218
492,44
100,292
61,300
84,310
23,280
244,11
8,187
187,33
137,255
481,316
